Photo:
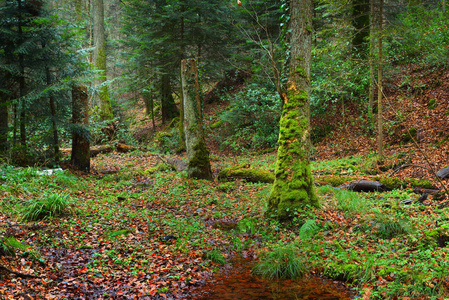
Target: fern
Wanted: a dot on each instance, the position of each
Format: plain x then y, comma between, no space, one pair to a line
308,229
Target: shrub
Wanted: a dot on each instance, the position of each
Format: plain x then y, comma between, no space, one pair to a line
47,205
252,120
414,43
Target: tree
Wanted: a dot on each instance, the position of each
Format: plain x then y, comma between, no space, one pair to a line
293,186
99,58
80,135
37,64
3,120
197,153
379,85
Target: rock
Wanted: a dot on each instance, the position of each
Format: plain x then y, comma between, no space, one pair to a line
178,164
443,173
49,172
407,201
169,237
363,186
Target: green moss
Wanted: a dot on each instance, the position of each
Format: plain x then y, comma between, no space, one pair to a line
392,183
199,164
431,104
301,72
244,171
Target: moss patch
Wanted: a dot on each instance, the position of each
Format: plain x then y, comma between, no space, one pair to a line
244,171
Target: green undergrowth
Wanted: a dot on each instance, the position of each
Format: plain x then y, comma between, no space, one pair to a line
165,225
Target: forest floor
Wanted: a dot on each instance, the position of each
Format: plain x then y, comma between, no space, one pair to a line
135,229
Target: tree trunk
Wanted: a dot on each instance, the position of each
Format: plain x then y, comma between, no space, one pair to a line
15,123
53,120
360,21
168,106
22,124
379,86
99,58
372,84
80,136
197,152
293,187
3,123
149,106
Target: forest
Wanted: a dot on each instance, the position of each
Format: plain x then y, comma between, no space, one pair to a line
244,149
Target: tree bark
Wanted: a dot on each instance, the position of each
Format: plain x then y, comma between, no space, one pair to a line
53,120
379,86
80,136
372,84
3,123
197,152
293,186
99,58
22,125
168,106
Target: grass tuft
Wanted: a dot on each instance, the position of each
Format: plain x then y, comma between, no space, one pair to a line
284,262
45,206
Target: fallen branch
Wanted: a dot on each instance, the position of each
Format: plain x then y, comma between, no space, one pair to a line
22,275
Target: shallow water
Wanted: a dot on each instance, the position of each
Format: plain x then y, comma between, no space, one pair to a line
235,281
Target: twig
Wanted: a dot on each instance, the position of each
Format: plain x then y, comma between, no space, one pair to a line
22,275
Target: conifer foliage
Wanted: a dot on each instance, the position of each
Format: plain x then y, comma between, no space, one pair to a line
37,68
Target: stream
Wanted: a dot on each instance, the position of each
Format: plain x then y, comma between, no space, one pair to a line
235,281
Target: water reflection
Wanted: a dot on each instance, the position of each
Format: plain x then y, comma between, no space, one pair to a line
237,282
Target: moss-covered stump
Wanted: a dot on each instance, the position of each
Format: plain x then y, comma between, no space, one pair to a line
244,171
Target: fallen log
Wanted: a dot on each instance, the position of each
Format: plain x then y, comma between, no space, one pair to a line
246,172
94,150
363,186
